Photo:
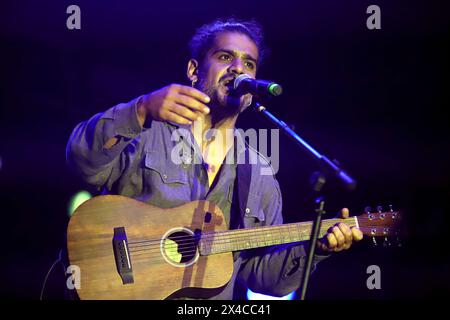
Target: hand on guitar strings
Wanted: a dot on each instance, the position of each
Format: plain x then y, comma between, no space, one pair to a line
339,237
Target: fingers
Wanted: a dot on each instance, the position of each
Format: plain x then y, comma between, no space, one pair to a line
322,244
188,103
344,214
340,237
346,232
357,234
184,112
191,103
194,93
175,102
173,117
332,241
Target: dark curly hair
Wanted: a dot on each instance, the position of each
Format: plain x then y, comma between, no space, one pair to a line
204,37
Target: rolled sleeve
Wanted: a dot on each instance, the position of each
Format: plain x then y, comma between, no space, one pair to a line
86,152
124,119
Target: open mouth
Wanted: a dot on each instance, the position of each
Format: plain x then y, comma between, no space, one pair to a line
229,83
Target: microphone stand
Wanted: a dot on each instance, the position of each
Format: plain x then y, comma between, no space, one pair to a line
318,179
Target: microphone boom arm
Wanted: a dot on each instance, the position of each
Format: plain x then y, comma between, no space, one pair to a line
317,181
325,163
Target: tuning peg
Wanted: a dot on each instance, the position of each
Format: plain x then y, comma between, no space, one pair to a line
398,242
380,212
386,242
374,242
368,210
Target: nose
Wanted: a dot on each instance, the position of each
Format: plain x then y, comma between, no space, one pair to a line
237,67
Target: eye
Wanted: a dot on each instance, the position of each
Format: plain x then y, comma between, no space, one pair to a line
250,65
225,57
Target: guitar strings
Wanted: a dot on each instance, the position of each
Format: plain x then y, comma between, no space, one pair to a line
192,244
191,250
214,237
217,238
221,239
328,223
206,234
150,255
233,233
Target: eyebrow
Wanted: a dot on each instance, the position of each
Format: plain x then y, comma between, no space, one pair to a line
233,53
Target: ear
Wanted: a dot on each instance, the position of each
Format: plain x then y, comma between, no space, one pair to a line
192,70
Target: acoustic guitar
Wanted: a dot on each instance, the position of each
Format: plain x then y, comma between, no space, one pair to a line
126,249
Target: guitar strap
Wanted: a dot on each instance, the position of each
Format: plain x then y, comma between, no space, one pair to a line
242,186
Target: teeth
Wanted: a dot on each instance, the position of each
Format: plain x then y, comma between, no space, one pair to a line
226,82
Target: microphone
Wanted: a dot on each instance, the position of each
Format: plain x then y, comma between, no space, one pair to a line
245,84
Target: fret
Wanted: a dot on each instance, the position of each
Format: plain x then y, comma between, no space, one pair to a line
241,239
253,239
220,245
296,235
281,235
266,238
293,232
299,231
269,238
261,239
272,240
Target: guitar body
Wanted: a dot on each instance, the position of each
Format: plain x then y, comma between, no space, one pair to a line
120,248
153,246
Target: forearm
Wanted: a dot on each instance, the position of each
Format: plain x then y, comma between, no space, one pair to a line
276,271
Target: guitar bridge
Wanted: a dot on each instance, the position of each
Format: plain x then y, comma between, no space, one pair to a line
122,255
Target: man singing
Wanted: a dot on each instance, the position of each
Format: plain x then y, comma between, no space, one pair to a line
127,150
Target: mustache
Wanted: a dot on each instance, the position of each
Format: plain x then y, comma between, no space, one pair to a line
228,78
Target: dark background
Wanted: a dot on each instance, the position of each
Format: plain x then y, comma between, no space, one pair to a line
373,99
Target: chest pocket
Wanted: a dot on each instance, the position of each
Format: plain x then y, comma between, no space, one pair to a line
166,184
166,170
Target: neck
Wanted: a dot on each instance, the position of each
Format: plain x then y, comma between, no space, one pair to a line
223,126
210,122
240,239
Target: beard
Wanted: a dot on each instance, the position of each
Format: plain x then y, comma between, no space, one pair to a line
224,100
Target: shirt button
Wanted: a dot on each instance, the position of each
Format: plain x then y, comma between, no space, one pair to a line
164,176
247,211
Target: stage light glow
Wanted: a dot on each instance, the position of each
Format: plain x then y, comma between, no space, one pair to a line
258,296
77,200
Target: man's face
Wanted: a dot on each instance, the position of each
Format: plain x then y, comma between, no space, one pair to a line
232,54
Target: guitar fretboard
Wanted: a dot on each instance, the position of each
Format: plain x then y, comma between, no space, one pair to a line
241,239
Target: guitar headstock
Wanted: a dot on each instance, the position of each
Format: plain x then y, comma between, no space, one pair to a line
381,223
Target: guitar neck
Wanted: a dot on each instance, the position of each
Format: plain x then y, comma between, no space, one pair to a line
241,239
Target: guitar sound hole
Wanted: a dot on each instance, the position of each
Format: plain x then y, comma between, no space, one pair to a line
180,248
